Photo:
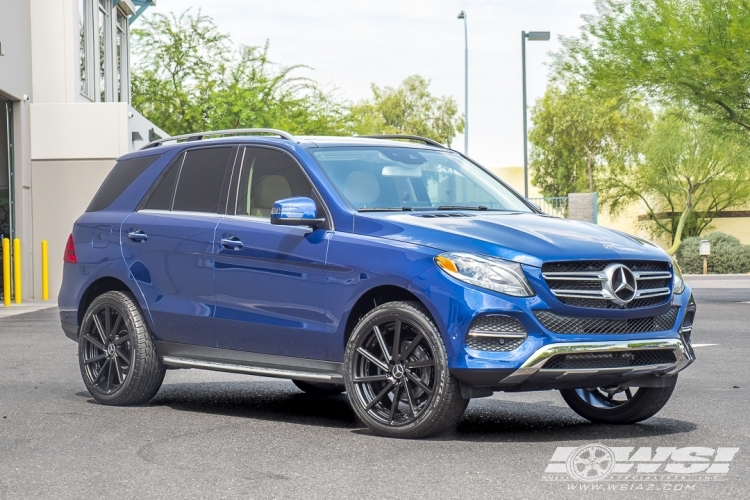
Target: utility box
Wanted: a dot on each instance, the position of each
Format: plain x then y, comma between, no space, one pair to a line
705,248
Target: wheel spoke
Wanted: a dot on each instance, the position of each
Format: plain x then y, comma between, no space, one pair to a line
610,396
396,340
109,377
117,370
628,393
414,343
122,339
380,395
408,396
96,358
101,371
95,342
420,364
99,328
418,382
381,341
108,321
373,359
373,378
122,356
116,326
394,403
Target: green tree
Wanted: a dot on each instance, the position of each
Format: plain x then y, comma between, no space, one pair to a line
408,109
576,134
687,174
188,77
688,52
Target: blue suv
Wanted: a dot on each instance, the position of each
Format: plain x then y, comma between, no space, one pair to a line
389,267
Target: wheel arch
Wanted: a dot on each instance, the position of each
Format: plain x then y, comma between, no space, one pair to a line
98,287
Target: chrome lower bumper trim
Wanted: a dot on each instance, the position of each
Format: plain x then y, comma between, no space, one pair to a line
536,361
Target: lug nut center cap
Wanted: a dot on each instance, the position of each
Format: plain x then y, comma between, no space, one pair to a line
111,350
398,371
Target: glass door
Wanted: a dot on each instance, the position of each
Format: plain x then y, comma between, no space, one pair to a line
6,174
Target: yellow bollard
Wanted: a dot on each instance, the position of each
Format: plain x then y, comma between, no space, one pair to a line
45,271
17,268
6,272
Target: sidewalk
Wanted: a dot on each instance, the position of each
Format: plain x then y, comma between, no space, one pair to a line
718,280
26,307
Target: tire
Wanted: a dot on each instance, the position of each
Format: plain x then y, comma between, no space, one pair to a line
427,397
597,406
319,389
117,354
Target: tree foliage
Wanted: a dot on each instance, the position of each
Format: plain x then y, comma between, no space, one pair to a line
686,175
576,134
188,77
408,109
692,53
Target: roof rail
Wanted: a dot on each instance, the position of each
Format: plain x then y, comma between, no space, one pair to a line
416,138
197,136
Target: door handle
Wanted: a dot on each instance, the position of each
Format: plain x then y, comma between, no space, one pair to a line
231,242
137,235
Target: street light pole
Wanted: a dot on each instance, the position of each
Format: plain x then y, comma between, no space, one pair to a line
532,36
462,15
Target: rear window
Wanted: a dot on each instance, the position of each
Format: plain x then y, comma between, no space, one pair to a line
122,175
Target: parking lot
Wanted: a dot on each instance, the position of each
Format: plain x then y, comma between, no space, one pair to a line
215,435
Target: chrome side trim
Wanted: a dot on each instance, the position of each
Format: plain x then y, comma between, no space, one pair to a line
536,361
249,370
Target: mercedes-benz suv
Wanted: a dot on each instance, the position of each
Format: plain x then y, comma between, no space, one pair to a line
390,268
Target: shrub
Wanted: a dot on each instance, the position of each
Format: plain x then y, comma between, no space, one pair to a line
728,255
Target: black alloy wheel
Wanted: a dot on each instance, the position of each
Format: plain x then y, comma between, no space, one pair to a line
619,405
116,352
396,373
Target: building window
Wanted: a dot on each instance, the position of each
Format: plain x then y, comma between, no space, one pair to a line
122,52
86,48
105,51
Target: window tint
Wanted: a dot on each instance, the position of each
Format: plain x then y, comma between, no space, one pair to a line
161,197
201,179
268,176
122,175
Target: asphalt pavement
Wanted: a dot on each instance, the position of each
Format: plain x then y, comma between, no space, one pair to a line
214,435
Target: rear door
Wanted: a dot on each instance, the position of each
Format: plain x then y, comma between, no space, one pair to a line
270,280
168,244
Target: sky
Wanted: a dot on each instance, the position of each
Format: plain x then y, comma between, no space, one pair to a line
350,44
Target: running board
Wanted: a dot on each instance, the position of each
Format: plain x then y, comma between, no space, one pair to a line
251,370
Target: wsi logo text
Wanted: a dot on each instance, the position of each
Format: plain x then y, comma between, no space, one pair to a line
596,462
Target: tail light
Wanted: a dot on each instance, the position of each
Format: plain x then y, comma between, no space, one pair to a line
70,252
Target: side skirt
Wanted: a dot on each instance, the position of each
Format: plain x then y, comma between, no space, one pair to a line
249,363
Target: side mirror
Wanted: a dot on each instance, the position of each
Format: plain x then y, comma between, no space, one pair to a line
297,211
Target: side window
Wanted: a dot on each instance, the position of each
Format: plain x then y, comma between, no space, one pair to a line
161,197
266,177
121,176
200,181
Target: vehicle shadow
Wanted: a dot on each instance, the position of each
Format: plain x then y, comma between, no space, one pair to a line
485,420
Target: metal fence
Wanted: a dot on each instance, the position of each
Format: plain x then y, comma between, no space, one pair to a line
555,205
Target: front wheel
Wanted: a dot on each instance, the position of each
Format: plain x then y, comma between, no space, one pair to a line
619,405
396,373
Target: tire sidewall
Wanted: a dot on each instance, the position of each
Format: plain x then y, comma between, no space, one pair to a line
391,311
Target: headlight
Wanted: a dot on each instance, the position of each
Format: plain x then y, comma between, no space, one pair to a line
679,283
487,272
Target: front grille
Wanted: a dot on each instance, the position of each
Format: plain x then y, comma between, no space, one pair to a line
495,344
580,283
589,361
556,323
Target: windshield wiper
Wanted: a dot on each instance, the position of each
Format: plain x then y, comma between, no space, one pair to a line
460,207
386,209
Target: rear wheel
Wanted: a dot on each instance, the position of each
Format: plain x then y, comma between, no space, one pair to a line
116,352
319,389
396,373
618,405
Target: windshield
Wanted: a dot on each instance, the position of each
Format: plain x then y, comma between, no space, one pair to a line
393,178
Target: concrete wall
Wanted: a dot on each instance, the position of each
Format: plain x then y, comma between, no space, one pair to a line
15,35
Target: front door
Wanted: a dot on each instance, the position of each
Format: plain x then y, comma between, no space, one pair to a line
169,245
270,280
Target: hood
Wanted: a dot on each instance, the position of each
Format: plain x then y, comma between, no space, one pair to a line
531,239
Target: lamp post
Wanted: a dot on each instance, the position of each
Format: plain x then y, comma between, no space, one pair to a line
533,36
462,15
